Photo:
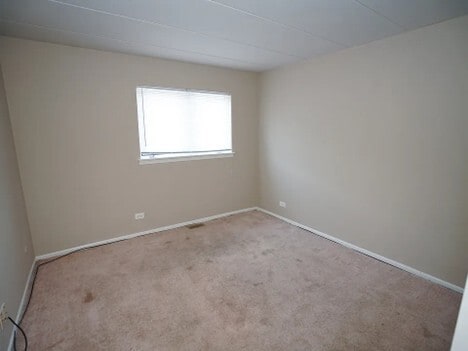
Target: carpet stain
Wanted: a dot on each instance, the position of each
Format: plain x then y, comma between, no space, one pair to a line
88,298
195,225
266,252
427,333
55,344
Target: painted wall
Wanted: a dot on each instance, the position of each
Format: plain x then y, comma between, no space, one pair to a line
73,113
16,251
370,145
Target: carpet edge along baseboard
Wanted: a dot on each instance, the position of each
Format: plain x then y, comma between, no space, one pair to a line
302,226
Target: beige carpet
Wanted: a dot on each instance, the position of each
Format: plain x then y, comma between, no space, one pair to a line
245,282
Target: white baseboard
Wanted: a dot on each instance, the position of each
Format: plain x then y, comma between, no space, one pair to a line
146,232
369,253
22,302
309,229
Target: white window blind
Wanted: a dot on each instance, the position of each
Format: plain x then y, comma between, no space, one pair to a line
180,123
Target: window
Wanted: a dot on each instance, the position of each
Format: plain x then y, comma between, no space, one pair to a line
183,124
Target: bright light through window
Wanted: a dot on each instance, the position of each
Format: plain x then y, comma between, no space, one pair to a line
180,123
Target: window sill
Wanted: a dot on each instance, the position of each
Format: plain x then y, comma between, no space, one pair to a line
202,156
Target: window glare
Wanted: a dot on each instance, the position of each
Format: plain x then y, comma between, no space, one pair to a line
183,121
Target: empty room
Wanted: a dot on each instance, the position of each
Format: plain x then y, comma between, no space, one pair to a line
233,175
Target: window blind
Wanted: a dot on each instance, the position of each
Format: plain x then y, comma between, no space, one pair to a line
183,122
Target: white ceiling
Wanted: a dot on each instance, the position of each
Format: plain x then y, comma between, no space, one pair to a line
248,34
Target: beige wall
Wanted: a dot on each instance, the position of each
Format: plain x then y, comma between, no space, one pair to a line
371,145
16,251
73,114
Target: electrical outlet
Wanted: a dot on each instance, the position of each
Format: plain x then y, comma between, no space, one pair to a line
282,204
140,215
3,315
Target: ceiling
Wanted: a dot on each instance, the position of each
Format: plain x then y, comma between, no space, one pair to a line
254,35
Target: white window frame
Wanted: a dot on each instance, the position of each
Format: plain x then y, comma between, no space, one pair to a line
181,157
